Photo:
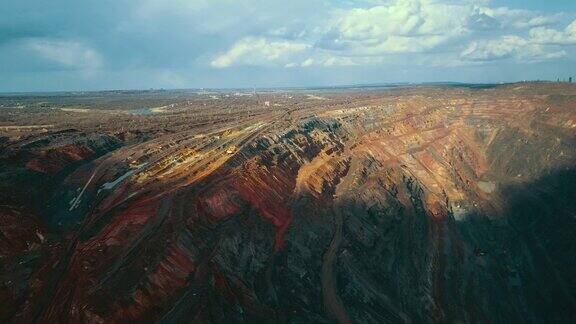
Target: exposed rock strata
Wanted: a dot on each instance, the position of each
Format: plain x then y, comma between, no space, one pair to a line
414,205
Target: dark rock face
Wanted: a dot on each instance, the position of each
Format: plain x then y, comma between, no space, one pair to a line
420,205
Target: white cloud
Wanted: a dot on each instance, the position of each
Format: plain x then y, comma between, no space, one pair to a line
357,36
145,37
548,36
537,21
493,49
320,59
540,44
259,51
518,18
376,32
398,27
509,47
69,53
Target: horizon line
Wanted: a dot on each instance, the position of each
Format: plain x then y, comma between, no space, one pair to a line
268,88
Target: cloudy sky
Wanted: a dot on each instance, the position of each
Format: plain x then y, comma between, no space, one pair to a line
140,44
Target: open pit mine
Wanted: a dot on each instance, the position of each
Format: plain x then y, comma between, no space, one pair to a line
423,204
